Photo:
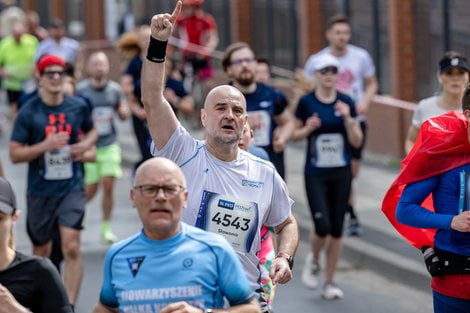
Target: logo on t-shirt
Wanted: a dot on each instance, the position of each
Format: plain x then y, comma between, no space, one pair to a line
134,264
188,263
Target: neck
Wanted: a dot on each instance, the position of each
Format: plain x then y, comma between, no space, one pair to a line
337,52
52,99
245,89
450,101
223,151
325,94
98,82
7,255
157,235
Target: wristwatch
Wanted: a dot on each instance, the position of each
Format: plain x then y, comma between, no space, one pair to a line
289,258
207,310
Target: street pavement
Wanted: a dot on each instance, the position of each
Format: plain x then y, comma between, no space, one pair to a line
379,272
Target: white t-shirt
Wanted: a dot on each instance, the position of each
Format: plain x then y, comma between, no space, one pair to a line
426,109
355,66
233,199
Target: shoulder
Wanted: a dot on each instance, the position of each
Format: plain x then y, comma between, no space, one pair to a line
345,98
114,85
427,102
74,101
34,263
122,245
258,162
318,53
358,51
84,84
212,241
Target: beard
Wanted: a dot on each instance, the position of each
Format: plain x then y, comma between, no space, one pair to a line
246,78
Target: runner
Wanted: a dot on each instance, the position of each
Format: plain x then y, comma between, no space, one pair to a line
45,135
27,284
266,106
356,79
326,118
106,99
178,267
453,76
438,165
239,193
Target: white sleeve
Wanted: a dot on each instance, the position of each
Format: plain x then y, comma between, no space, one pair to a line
179,148
369,67
308,69
281,203
417,119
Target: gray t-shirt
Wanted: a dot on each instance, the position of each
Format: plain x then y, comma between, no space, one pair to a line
105,102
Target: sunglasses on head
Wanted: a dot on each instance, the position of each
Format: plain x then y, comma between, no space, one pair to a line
52,74
329,69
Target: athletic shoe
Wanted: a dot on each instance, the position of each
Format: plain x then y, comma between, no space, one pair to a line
310,272
332,292
354,228
107,236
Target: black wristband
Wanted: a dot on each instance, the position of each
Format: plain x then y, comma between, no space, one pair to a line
157,50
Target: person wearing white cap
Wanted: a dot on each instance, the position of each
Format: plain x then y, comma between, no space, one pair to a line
27,284
326,118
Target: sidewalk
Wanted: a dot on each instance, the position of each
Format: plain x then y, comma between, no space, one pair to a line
380,248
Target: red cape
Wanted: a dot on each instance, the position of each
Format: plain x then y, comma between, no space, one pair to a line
442,145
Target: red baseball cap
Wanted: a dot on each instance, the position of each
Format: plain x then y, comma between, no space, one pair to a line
48,60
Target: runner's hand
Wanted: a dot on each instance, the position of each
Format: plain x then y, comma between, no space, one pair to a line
280,271
343,109
78,150
461,222
162,25
313,122
8,304
56,140
180,307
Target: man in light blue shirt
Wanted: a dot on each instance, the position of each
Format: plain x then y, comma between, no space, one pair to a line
169,265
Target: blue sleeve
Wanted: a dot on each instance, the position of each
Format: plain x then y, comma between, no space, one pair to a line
301,113
108,296
179,90
21,129
409,209
280,103
233,281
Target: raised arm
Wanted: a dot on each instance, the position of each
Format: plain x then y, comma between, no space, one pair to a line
161,119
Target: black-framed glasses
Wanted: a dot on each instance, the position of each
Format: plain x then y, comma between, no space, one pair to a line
240,61
151,191
329,70
52,74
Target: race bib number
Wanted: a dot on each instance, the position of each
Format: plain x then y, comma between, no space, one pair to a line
464,199
234,219
329,150
103,120
260,122
58,164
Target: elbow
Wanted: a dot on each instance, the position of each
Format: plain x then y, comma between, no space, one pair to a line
401,213
14,158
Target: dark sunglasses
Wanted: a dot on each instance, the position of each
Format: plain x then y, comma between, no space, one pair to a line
329,69
52,74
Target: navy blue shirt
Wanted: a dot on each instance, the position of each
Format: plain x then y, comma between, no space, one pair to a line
328,146
445,189
134,69
263,104
179,90
34,121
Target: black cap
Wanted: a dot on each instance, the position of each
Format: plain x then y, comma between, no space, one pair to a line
453,62
7,197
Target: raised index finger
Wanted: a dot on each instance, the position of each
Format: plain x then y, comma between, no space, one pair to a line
176,12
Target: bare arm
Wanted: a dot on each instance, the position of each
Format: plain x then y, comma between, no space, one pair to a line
411,138
283,134
302,131
20,152
101,308
161,119
250,307
287,242
353,129
371,87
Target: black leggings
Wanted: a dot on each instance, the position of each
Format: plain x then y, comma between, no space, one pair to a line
328,195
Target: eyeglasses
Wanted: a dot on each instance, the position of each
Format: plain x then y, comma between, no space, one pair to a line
329,69
52,74
151,191
240,61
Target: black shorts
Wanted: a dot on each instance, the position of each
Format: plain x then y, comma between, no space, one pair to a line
13,96
356,153
328,196
45,214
